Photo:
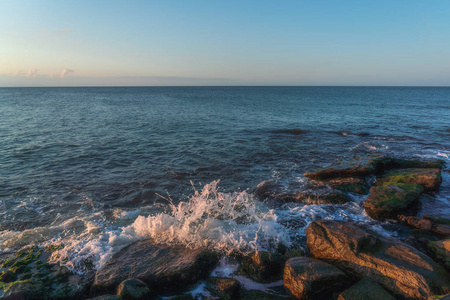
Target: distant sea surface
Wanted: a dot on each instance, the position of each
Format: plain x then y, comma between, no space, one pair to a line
94,169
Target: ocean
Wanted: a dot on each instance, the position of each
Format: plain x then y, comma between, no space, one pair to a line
94,169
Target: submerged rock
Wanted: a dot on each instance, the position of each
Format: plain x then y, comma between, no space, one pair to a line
365,289
391,199
399,268
358,171
224,288
309,278
349,185
430,179
386,163
163,268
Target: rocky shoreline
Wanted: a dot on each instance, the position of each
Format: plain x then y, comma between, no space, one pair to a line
343,260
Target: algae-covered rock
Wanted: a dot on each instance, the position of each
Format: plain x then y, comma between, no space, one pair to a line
366,289
430,179
309,278
441,250
316,196
349,185
342,172
224,288
389,200
397,267
385,163
163,268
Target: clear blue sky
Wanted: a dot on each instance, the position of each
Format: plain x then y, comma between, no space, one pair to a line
211,42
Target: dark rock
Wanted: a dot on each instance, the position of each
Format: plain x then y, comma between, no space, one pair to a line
23,290
263,266
365,289
163,268
349,185
430,179
390,200
397,267
224,288
260,295
181,297
309,278
441,250
268,189
323,195
135,289
440,230
341,172
420,239
437,220
106,297
383,164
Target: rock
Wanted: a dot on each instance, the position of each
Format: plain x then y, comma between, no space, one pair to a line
390,200
268,189
365,289
27,274
224,288
263,266
163,268
260,295
309,278
441,250
426,224
349,185
420,239
135,289
106,297
383,164
430,179
323,195
437,220
398,268
341,172
182,297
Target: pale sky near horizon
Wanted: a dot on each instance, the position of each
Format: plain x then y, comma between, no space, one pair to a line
82,43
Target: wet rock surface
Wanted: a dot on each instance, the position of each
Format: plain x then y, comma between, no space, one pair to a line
309,278
391,199
224,288
441,250
430,179
135,289
163,268
366,289
398,268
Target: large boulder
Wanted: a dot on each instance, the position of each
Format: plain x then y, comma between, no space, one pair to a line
163,268
224,288
400,269
389,200
366,289
263,266
430,179
135,289
441,230
309,278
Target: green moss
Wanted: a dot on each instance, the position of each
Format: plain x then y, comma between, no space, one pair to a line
7,276
26,276
6,286
8,263
53,248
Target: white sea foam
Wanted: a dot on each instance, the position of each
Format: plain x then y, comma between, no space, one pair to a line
225,221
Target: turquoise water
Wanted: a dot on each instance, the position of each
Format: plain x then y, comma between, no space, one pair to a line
82,164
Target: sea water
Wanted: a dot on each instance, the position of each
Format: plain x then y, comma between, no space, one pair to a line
94,169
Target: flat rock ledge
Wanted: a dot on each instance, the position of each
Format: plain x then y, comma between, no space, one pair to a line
402,270
309,278
165,269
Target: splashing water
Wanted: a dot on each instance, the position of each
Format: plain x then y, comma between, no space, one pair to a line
224,221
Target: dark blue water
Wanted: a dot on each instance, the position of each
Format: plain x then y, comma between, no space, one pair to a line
69,152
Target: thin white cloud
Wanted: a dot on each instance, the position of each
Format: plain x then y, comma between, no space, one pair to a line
64,31
32,73
66,73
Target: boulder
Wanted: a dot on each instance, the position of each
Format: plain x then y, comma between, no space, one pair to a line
135,289
163,268
397,267
385,163
260,295
263,266
389,200
309,278
341,172
349,185
365,289
317,196
224,288
441,250
441,230
430,179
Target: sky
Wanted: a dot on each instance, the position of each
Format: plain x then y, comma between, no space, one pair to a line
147,43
